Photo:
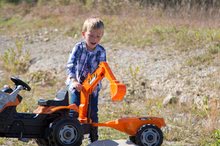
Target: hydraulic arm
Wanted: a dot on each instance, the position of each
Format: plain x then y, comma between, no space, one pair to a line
117,90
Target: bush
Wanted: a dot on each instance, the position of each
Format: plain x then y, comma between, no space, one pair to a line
16,60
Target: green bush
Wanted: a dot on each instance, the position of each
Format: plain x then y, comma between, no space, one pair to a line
16,60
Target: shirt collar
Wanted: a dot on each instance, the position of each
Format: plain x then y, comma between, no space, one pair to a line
84,46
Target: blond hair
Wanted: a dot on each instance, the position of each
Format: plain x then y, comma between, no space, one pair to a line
92,23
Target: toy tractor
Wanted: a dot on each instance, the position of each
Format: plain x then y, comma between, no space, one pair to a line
51,124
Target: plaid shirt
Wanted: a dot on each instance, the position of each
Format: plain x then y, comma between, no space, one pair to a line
82,61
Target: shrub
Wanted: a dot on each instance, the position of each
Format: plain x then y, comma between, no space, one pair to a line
16,60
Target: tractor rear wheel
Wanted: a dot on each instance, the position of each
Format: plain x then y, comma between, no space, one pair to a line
66,132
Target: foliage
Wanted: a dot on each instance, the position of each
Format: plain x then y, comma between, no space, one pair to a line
16,60
43,78
205,58
217,136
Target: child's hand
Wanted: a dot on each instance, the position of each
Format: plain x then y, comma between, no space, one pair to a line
77,86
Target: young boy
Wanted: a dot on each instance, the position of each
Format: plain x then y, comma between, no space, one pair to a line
85,58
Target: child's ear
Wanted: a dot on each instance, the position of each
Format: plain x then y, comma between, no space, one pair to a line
83,33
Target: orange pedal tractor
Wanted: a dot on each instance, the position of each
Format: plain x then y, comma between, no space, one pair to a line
51,124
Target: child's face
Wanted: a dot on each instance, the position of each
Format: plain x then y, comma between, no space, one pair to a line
93,37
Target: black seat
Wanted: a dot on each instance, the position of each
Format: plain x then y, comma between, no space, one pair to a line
62,99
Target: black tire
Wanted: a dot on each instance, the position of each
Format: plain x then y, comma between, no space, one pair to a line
42,142
93,134
132,139
149,135
66,132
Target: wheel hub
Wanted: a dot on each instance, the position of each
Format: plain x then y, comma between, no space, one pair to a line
150,137
68,134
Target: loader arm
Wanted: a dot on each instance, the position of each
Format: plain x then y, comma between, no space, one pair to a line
117,89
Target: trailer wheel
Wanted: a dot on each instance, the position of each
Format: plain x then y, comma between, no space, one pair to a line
132,139
149,135
66,132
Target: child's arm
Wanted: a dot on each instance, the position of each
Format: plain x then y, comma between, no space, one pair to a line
103,56
71,64
71,70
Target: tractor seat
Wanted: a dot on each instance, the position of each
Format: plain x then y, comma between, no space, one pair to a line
60,100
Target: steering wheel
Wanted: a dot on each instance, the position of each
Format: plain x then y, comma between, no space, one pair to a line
17,82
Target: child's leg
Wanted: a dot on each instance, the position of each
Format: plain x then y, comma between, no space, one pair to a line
74,97
93,135
94,109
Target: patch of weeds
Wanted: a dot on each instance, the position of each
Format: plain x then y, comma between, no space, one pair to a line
74,32
200,60
7,22
214,49
43,78
214,85
110,133
214,34
201,113
125,32
189,38
185,39
214,138
2,141
205,58
23,107
133,73
16,60
164,33
28,103
217,136
10,24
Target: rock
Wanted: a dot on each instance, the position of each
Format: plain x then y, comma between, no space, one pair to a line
183,100
169,99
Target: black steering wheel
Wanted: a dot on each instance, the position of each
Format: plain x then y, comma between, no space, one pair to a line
17,82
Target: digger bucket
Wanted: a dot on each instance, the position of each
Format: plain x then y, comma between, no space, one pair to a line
117,91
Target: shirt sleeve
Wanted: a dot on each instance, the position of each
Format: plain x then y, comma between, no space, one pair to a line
71,63
103,56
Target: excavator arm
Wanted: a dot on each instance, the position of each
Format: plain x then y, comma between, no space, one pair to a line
117,89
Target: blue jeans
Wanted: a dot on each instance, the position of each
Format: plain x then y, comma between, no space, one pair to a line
75,98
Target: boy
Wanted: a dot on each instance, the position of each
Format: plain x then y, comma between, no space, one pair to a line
85,58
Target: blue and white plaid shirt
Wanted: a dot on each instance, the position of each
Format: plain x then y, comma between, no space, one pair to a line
82,61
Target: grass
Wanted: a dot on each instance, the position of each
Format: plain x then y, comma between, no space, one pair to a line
206,58
16,59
